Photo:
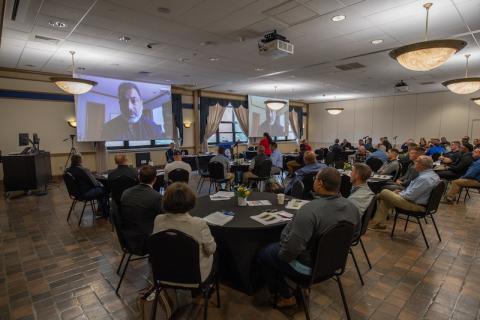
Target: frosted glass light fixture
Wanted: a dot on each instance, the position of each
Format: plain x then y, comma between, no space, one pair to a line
275,104
73,85
465,85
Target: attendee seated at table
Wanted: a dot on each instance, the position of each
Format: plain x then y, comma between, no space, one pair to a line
361,154
410,174
444,143
177,163
380,153
222,158
413,198
266,141
277,159
460,167
423,143
293,254
139,207
336,148
346,145
435,148
386,143
311,167
361,142
123,169
169,152
88,186
476,143
406,144
369,145
470,179
255,165
304,145
453,155
361,195
178,200
392,165
294,165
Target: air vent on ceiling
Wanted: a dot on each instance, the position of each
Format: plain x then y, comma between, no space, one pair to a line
48,40
427,83
350,66
144,72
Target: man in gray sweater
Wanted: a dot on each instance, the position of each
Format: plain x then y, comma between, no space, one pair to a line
292,255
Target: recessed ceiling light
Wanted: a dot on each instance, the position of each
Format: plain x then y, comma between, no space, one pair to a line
144,72
81,69
168,80
124,39
213,59
207,43
57,24
259,69
163,10
183,60
377,41
30,65
338,18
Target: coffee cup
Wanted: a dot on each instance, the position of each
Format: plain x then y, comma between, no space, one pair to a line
280,198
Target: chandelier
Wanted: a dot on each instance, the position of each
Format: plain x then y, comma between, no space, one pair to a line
427,55
275,104
73,85
476,100
463,85
334,111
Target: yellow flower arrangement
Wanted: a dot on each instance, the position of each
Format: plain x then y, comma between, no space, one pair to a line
243,191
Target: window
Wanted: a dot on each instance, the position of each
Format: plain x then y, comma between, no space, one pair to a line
137,144
228,130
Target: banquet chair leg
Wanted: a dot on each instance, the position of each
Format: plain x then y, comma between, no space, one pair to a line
365,253
121,262
123,273
94,211
153,314
406,223
345,305
467,194
356,267
423,233
205,305
72,207
305,302
217,288
459,194
394,224
436,228
81,215
425,219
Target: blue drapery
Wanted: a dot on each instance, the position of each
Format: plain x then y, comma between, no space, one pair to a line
177,111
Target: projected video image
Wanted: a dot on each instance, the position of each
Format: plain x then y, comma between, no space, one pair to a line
261,119
117,110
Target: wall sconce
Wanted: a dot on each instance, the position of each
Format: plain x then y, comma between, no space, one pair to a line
187,124
72,123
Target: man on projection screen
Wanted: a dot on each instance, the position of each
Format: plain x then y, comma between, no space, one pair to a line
131,124
272,124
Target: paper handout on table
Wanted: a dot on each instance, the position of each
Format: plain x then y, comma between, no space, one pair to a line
218,218
296,204
267,218
256,203
222,195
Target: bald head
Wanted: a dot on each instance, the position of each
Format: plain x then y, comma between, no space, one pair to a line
121,159
309,157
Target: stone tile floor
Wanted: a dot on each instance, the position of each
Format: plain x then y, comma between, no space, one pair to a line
50,269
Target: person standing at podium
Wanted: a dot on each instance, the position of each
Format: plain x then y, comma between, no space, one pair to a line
88,186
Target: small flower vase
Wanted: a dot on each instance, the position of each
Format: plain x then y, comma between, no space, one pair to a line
242,202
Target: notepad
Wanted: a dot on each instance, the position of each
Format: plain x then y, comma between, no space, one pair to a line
267,218
222,195
218,218
257,203
296,204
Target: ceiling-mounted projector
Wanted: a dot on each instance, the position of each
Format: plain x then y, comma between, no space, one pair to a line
274,45
401,86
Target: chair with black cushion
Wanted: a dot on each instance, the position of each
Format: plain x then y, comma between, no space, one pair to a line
120,184
304,189
249,155
184,152
320,154
367,215
217,175
430,209
127,252
264,173
374,164
329,259
467,192
202,164
174,258
435,156
74,194
398,173
345,186
178,175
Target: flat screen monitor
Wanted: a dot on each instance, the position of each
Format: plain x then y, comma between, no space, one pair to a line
261,119
142,158
23,139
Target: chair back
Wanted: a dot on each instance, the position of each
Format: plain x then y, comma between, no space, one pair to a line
216,170
203,162
117,223
178,175
265,169
374,164
435,197
320,154
250,154
71,184
330,158
399,171
435,156
345,186
120,184
307,182
174,257
367,215
331,251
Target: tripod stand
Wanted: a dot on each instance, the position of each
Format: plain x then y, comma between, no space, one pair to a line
72,149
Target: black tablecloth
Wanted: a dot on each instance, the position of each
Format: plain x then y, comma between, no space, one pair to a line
239,240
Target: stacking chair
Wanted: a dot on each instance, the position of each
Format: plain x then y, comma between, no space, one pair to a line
119,185
374,164
178,175
174,258
367,215
467,193
217,175
75,195
329,259
430,209
264,173
304,189
202,164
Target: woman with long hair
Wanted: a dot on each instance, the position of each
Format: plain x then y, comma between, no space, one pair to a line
266,142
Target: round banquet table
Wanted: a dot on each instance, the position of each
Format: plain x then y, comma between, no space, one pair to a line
239,240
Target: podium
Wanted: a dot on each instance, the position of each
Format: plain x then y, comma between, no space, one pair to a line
23,172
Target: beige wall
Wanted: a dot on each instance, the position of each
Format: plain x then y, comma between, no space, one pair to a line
406,116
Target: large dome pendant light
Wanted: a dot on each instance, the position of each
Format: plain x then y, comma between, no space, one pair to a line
275,104
463,85
73,85
427,55
476,100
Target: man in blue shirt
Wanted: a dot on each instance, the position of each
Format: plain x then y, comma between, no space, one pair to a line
413,198
435,148
470,179
311,167
381,153
277,159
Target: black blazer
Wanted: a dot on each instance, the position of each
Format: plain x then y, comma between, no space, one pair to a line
122,170
139,207
85,179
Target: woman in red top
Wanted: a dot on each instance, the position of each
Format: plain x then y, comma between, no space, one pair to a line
265,142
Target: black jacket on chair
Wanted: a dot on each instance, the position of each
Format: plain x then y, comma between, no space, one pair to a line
84,178
139,207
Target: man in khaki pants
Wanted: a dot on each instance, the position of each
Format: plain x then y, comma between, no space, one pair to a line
470,179
413,198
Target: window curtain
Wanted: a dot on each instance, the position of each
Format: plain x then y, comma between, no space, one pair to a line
100,156
177,111
296,121
215,114
242,116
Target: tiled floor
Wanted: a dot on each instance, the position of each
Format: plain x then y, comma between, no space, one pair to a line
53,270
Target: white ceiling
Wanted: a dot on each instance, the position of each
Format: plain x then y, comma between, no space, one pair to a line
233,27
